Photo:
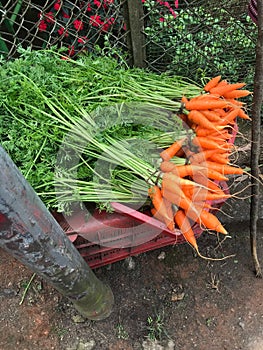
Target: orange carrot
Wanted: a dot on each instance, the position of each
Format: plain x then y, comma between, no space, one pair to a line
184,99
170,152
219,158
198,118
203,155
156,197
222,83
211,174
206,143
175,195
211,222
184,225
211,115
205,104
243,115
237,94
206,195
212,83
222,90
235,103
223,169
230,116
169,209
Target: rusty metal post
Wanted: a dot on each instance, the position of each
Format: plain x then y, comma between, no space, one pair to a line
30,234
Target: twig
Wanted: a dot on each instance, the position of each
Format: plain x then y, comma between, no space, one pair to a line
26,289
255,147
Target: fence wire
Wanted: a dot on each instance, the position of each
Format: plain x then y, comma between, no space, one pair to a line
190,38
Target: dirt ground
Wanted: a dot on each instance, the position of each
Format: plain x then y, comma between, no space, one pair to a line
168,294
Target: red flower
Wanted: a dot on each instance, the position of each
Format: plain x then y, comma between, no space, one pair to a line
108,2
49,16
173,12
57,6
176,4
97,3
161,19
82,39
95,21
78,24
62,31
71,50
65,15
88,7
42,26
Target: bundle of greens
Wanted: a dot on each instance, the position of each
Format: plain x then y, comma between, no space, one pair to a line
87,129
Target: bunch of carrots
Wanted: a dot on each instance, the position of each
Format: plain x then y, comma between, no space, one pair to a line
185,193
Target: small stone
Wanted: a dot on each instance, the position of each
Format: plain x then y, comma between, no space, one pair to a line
78,319
86,345
241,324
130,263
177,296
161,256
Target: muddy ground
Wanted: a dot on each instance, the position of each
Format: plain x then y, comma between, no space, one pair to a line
168,294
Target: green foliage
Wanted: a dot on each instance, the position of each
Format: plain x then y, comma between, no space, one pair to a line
203,41
39,89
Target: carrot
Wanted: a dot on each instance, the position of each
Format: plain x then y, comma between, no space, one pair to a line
211,174
219,158
206,143
211,115
170,152
175,180
203,155
222,83
212,83
184,99
199,131
184,225
169,223
206,195
243,115
230,116
223,169
235,103
211,222
222,90
156,197
237,94
221,112
205,104
198,118
175,195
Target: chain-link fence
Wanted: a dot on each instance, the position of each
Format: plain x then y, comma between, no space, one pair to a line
189,38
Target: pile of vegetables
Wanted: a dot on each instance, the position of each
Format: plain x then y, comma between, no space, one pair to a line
183,195
98,132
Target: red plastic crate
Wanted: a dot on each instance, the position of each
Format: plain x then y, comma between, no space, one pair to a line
109,237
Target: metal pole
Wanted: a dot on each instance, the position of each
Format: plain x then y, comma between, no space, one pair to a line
30,234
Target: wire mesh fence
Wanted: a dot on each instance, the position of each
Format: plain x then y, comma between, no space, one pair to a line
189,38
